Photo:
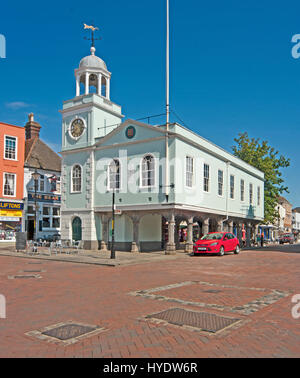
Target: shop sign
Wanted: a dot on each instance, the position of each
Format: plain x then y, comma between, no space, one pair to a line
11,206
10,213
44,198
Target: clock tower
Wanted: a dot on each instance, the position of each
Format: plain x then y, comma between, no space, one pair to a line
90,115
86,119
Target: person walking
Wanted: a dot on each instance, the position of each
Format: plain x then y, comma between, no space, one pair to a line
257,239
262,239
244,237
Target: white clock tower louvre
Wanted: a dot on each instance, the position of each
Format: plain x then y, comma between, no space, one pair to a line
93,75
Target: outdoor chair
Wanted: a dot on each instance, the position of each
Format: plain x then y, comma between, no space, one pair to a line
53,248
64,246
78,245
32,246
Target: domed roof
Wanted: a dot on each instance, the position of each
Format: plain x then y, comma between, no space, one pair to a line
92,61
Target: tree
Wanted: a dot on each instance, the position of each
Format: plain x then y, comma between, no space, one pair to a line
266,159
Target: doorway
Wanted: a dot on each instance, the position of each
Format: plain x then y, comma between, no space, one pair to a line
30,229
76,229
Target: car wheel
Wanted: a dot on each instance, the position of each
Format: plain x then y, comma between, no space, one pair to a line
237,250
221,253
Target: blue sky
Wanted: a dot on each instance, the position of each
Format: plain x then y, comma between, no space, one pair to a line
231,66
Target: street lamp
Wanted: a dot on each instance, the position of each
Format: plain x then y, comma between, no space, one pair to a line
35,176
113,252
114,167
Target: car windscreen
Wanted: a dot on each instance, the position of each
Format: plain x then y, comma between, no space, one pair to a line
212,237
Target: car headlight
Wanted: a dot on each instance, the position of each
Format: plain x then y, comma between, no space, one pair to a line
213,244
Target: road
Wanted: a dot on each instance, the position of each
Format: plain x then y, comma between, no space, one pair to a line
249,296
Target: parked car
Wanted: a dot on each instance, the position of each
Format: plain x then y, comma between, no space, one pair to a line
217,243
287,238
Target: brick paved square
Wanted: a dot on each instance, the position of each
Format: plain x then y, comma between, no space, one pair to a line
93,294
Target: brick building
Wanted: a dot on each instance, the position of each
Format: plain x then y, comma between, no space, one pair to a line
287,221
12,140
40,158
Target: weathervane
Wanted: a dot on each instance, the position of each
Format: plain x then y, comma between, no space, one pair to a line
93,29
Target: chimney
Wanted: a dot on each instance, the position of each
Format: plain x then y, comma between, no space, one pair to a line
32,128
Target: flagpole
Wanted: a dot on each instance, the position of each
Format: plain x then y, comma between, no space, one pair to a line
168,68
167,100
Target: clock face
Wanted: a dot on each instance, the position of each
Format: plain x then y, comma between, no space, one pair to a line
77,128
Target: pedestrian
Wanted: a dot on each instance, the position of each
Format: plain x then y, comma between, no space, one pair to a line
262,239
244,237
257,239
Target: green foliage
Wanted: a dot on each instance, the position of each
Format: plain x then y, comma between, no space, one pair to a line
266,159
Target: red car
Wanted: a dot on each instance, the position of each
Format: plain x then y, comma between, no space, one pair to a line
217,243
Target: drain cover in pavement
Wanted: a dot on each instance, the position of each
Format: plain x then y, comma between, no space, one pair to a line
212,291
34,263
66,333
69,331
32,271
24,276
201,320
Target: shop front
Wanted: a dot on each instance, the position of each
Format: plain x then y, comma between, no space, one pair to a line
47,215
10,219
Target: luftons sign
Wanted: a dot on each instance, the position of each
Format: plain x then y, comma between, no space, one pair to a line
11,205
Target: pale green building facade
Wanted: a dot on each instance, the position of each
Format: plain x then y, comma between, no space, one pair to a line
160,176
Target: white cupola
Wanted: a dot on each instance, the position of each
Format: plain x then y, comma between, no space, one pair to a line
93,73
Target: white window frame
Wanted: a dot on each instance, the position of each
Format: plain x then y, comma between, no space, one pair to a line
258,196
15,184
58,183
251,192
233,187
141,172
51,217
71,184
42,180
220,195
16,150
206,178
242,199
56,216
109,188
186,172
